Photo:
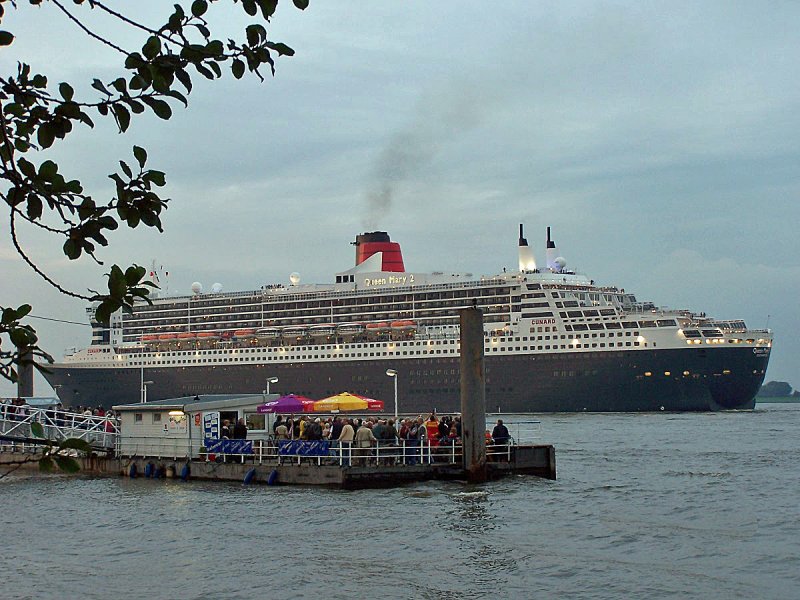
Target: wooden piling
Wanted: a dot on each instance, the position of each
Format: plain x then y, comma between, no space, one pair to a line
473,395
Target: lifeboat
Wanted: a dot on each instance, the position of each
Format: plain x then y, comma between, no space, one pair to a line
403,325
380,327
244,333
208,335
149,337
166,337
226,335
322,330
187,336
297,331
350,328
268,333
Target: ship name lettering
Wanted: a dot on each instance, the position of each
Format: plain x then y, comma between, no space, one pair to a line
391,280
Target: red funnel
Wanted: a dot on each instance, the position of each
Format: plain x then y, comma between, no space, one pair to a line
368,244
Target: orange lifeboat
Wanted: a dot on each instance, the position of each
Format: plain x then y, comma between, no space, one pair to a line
166,337
149,337
208,335
403,325
244,333
187,336
379,327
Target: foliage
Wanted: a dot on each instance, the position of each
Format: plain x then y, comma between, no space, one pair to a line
53,456
775,389
35,115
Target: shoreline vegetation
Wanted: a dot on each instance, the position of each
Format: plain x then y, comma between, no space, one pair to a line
777,400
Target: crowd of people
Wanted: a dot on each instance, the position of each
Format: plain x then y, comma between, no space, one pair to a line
436,431
343,429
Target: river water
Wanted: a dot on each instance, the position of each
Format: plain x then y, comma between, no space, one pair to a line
645,506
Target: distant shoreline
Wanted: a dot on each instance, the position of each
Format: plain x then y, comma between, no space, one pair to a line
778,400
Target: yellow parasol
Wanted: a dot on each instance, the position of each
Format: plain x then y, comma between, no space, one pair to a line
341,402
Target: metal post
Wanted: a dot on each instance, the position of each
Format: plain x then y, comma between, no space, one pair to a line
393,374
144,390
473,394
25,373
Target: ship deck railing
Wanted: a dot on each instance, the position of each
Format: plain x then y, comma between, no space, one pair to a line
17,427
324,452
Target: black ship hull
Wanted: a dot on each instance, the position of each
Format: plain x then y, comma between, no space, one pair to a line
694,379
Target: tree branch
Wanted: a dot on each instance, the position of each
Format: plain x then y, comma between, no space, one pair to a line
36,269
87,30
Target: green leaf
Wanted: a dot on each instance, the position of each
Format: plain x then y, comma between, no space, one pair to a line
141,155
67,463
48,169
98,85
103,313
301,4
237,68
35,207
126,169
6,37
75,444
161,108
152,47
66,91
123,116
134,61
116,283
157,177
37,430
250,7
27,167
268,7
46,464
280,48
255,33
9,316
46,135
184,78
23,311
199,8
72,249
21,337
134,274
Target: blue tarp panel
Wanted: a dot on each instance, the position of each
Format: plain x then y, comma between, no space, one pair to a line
303,448
229,446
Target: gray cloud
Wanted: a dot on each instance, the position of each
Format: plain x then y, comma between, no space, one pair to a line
659,142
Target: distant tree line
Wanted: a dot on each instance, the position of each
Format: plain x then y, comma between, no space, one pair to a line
777,389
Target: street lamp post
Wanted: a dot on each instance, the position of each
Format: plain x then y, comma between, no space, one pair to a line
271,380
393,374
144,390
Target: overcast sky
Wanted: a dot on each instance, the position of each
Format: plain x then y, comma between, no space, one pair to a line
659,140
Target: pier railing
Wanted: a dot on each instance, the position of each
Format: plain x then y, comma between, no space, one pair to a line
343,454
57,425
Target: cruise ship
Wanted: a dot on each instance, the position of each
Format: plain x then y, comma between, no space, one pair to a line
554,341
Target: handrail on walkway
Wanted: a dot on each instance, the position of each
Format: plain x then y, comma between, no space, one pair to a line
57,425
